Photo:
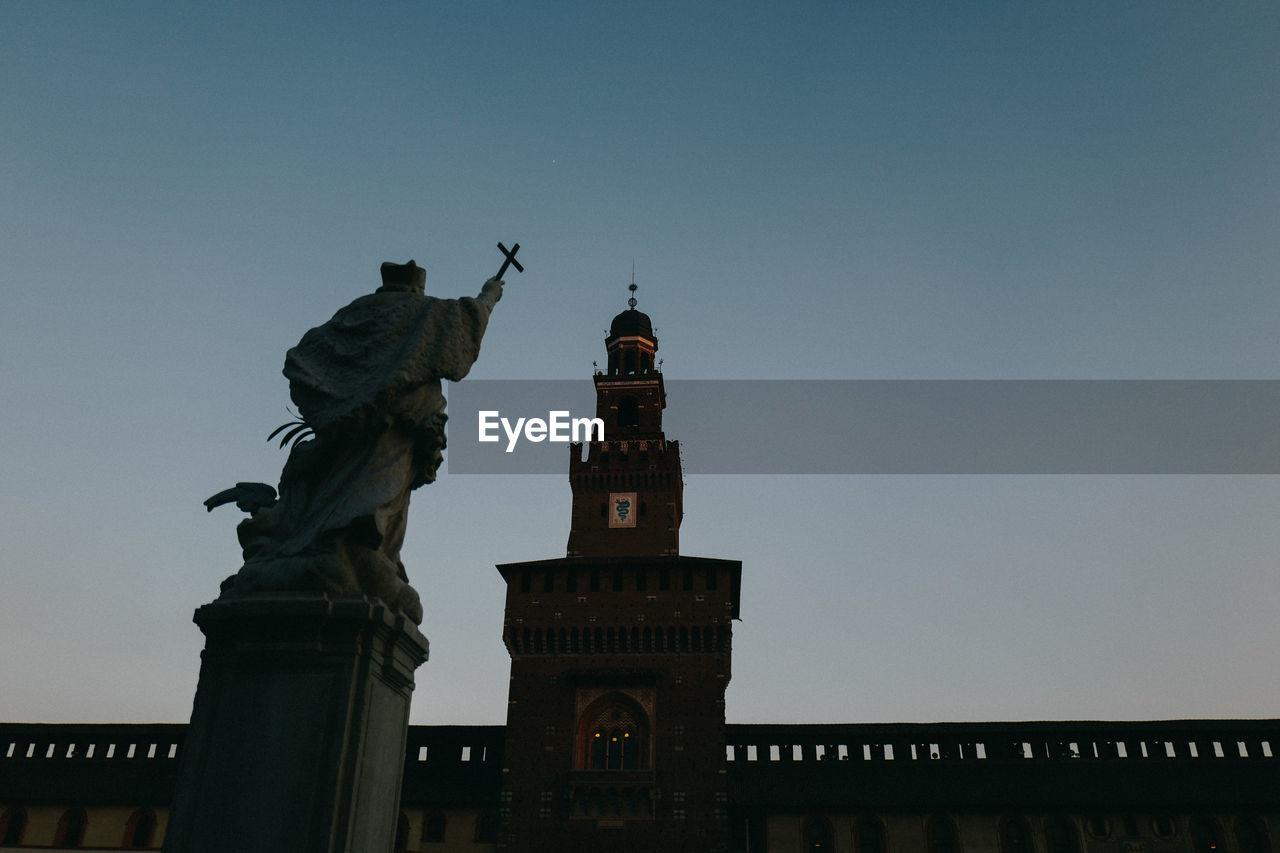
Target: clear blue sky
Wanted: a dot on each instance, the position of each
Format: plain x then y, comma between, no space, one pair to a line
808,191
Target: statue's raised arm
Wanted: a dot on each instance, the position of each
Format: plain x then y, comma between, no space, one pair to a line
367,388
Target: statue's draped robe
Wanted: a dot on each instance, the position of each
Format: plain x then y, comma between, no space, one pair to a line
380,347
368,383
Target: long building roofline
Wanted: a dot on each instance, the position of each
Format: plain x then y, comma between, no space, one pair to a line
1160,765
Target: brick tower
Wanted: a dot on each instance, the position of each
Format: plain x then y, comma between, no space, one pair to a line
619,651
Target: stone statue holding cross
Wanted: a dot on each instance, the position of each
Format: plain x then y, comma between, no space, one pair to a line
371,430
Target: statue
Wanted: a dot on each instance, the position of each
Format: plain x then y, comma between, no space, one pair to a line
371,430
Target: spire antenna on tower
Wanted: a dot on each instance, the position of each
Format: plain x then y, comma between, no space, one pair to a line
631,303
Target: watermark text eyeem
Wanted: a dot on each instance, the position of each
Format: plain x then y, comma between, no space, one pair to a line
559,426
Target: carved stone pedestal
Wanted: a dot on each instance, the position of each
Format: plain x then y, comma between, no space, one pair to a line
297,737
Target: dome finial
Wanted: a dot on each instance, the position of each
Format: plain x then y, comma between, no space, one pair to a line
631,303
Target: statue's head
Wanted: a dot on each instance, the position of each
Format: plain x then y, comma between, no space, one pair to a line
405,278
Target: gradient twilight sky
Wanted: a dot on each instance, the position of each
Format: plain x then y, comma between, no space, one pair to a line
808,191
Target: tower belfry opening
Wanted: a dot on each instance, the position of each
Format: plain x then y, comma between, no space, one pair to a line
631,344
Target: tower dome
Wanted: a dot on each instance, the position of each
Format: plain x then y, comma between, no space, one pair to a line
631,343
631,322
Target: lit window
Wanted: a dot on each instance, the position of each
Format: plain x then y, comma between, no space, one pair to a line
613,736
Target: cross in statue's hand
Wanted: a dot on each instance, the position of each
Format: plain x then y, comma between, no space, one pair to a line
510,259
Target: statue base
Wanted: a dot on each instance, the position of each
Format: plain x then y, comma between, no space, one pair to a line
298,731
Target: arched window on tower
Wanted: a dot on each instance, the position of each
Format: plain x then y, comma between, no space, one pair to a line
614,744
818,835
613,734
140,830
71,827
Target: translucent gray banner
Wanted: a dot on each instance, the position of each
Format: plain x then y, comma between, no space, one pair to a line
897,427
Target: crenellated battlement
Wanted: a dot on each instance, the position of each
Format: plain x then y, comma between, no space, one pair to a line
623,455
